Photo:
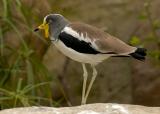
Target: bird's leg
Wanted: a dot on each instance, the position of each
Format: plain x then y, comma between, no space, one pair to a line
85,76
91,82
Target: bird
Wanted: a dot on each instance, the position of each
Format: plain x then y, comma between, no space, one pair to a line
86,44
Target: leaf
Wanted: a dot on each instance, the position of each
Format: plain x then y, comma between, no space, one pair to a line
142,16
156,24
155,54
135,41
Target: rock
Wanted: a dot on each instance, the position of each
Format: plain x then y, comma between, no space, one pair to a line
98,108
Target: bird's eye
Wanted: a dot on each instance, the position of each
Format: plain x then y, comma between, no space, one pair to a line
50,21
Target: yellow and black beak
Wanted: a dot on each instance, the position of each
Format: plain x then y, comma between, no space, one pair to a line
44,27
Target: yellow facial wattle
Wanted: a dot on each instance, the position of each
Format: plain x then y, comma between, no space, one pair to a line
45,27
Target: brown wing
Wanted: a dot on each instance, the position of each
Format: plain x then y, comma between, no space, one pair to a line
102,41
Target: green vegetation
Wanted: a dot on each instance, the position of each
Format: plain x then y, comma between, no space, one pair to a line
151,38
23,77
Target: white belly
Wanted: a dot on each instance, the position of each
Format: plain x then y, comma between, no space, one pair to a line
80,57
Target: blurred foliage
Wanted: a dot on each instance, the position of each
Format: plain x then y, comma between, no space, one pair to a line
24,80
135,40
151,36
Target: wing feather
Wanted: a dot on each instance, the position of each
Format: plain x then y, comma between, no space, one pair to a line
98,39
73,42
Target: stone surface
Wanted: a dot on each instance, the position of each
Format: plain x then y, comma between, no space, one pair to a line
86,109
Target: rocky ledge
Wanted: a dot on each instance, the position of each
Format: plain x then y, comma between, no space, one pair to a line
99,108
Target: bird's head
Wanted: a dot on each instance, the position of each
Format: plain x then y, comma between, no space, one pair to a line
52,24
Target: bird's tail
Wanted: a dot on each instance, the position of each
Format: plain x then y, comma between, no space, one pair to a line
139,54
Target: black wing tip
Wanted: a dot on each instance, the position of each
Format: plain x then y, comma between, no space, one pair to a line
139,54
141,51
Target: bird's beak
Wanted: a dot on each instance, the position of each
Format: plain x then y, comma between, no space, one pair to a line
44,27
